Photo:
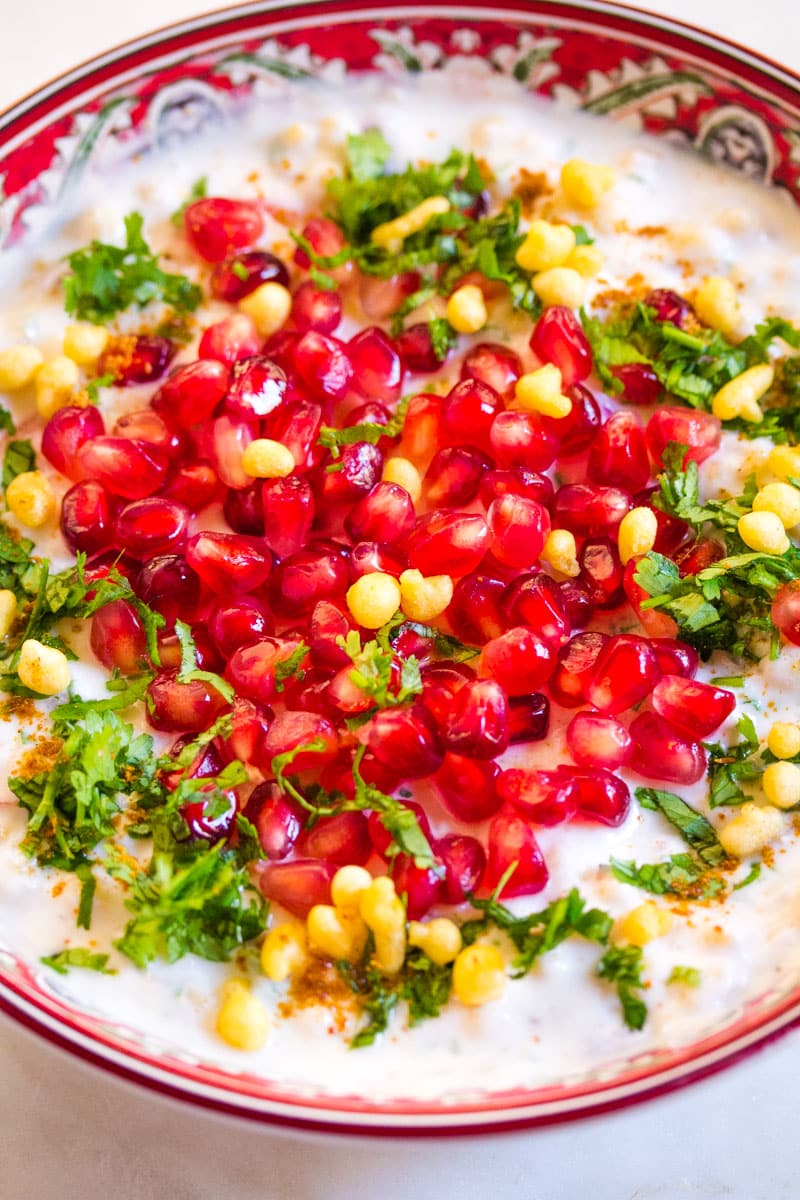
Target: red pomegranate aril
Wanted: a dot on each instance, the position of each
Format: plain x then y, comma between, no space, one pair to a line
368,557
205,763
421,886
342,839
288,508
87,517
475,611
385,514
576,431
522,439
208,826
326,240
192,392
576,663
519,660
194,484
117,637
519,530
297,426
238,623
411,643
577,602
440,682
207,656
692,708
544,797
454,476
468,787
599,741
697,555
600,795
67,430
251,668
323,365
358,469
277,821
302,579
368,413
296,885
243,509
511,841
327,624
669,306
127,467
496,366
380,298
528,718
316,308
416,350
448,543
469,410
168,584
674,657
100,566
625,674
152,526
559,339
182,707
228,562
380,836
477,724
619,452
257,387
422,428
640,384
699,431
661,753
405,741
464,862
217,227
145,425
602,573
245,742
586,508
291,730
230,340
785,611
534,599
148,360
237,277
519,482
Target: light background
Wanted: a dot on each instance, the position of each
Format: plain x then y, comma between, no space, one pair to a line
71,1133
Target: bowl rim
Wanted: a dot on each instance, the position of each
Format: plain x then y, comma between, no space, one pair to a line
743,1037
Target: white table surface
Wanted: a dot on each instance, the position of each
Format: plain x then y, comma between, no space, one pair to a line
68,1132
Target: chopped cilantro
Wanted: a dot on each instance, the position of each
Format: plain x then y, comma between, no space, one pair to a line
133,689
752,875
729,766
690,824
582,236
369,431
373,669
7,422
622,966
189,672
240,270
687,976
77,956
106,279
444,645
443,337
681,875
19,457
198,191
94,385
367,155
291,667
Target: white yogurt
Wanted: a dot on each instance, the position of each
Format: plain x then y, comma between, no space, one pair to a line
560,1023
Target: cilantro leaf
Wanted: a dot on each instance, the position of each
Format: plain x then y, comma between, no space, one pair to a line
19,457
681,875
369,431
77,956
373,668
752,875
729,766
443,337
622,966
291,667
189,672
367,155
690,824
7,422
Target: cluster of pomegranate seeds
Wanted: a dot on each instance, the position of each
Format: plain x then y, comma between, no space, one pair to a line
266,598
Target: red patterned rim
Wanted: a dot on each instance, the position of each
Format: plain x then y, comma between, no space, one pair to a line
602,57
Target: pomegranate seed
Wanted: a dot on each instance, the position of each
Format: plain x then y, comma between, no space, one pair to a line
785,610
468,787
326,239
522,439
288,506
257,387
229,340
692,708
67,430
297,885
624,674
421,886
601,795
205,763
203,826
494,365
440,682
528,718
245,742
358,470
152,526
302,579
405,741
243,509
238,623
448,543
323,365
227,562
519,660
469,410
290,730
126,467
194,484
328,623
87,517
229,439
544,797
341,839
415,348
182,707
475,611
207,656
519,482
368,557
454,476
477,724
217,227
576,431
589,508
640,384
700,432
380,298
278,822
519,530
385,514
598,741
619,452
422,428
669,306
559,339
316,308
661,753
464,862
239,276
511,841
251,668
698,555
576,664
147,361
577,604
370,412
144,425
377,366
192,392
117,637
169,585
535,600
380,836
297,426
675,658
602,573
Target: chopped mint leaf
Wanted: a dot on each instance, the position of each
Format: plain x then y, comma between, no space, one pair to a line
690,824
622,966
77,956
19,457
730,766
681,875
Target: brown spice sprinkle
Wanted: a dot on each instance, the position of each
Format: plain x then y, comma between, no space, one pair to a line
39,758
58,888
118,355
529,188
321,985
768,856
19,708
